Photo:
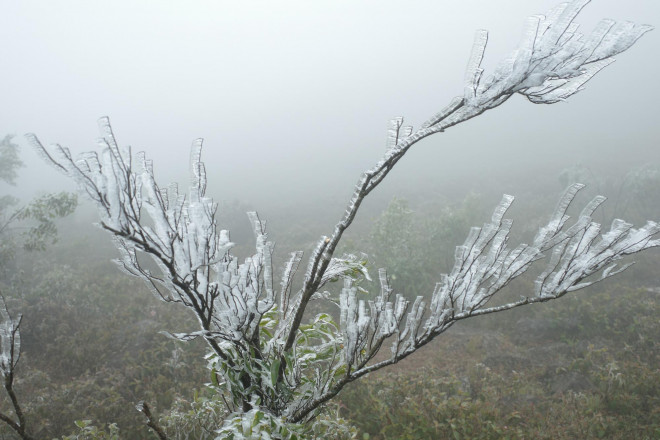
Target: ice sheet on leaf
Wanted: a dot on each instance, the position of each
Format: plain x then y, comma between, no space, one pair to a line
552,62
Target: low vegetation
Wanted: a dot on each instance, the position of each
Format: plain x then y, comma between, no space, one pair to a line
582,367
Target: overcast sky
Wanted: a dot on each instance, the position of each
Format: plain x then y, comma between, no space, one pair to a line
293,97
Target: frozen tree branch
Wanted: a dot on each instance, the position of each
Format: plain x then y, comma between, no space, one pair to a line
151,423
552,63
10,353
483,266
264,354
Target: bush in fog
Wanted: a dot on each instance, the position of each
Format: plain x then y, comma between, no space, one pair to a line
274,368
39,214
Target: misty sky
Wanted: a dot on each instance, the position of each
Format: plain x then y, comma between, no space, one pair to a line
293,97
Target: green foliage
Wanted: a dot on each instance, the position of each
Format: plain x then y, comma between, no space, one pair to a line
200,418
315,358
87,431
197,418
261,424
36,221
416,246
44,210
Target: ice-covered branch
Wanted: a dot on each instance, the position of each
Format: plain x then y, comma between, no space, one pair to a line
179,232
484,264
10,353
552,62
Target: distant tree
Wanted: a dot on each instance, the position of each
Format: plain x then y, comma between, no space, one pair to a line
31,226
413,245
41,212
9,160
273,370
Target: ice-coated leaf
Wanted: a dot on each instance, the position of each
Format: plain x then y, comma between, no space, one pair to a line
474,71
393,133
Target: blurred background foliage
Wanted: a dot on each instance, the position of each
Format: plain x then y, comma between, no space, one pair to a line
586,366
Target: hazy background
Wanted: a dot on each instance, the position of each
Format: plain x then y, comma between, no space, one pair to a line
293,97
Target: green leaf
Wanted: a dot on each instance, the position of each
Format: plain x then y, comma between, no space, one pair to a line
214,377
274,372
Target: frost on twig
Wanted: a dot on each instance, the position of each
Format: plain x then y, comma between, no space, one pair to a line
577,256
180,234
485,264
10,353
264,353
553,60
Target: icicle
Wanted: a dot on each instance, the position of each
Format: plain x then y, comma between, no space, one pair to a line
197,174
562,22
501,209
111,143
474,71
287,280
525,51
558,217
393,133
406,131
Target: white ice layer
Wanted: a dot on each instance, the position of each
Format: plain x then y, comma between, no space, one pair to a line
194,265
578,257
